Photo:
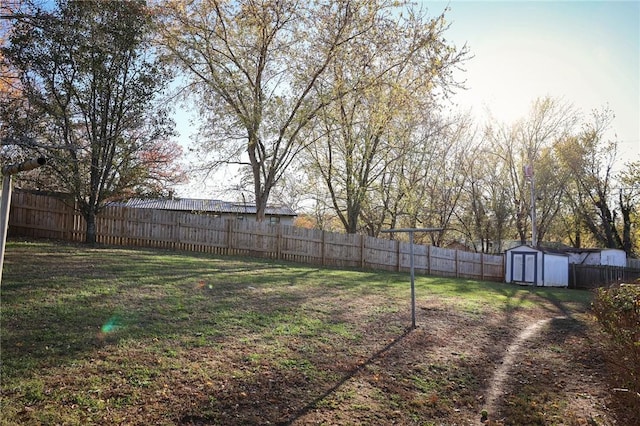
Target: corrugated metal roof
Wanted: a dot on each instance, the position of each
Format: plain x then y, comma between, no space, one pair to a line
201,205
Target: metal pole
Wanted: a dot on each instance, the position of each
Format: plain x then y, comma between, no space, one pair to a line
5,203
411,231
534,229
413,286
12,169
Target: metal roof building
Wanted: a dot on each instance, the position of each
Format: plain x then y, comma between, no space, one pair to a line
213,207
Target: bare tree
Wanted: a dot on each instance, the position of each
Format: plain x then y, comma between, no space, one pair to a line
523,144
629,202
359,138
254,67
589,158
484,216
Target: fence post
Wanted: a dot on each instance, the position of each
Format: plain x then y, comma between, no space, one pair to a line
481,266
67,223
322,248
279,241
457,264
177,239
229,239
398,255
361,251
429,258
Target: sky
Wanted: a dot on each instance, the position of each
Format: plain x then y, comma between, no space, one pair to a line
586,53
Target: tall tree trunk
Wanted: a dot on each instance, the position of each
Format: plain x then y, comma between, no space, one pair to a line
627,243
521,224
352,219
90,218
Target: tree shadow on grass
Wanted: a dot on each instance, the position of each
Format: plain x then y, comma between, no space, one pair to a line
350,375
51,328
421,373
281,398
183,319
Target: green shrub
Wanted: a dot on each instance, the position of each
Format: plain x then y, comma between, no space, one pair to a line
618,312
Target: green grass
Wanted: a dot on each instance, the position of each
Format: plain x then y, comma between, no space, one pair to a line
112,335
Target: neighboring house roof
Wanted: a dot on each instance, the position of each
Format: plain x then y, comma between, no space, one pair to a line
200,205
458,245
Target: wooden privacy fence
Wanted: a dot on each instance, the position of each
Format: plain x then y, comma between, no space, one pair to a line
594,276
49,217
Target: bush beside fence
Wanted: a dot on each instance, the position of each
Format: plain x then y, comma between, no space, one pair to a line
44,216
618,312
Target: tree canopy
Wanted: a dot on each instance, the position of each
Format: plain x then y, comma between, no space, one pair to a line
343,103
263,72
89,85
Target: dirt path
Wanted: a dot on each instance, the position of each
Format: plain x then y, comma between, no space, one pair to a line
496,387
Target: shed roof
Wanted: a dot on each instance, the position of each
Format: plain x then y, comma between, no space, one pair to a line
545,250
203,205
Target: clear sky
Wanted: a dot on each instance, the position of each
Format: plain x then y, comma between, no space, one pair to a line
584,52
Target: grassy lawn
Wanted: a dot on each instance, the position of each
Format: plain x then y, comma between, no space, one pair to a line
120,336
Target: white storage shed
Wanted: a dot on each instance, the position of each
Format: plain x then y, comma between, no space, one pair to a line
532,266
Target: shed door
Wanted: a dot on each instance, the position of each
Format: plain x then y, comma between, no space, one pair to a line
523,267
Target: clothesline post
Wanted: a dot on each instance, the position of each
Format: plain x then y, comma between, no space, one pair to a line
5,198
412,231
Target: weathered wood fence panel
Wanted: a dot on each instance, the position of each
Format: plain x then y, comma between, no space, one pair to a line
469,264
593,276
40,216
492,266
342,250
443,262
301,244
50,217
381,254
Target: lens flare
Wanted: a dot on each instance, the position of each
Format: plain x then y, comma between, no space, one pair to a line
112,324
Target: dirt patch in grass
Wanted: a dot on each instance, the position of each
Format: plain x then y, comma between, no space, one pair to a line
112,336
